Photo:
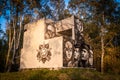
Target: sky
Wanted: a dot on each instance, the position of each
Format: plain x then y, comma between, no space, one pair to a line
3,21
118,1
66,2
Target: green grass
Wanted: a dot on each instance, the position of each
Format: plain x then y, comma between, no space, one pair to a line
62,74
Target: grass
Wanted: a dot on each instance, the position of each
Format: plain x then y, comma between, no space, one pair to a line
62,74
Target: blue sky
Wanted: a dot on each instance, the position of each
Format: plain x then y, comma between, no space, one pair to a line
66,2
117,0
2,22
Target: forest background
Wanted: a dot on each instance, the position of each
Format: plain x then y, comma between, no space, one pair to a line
101,20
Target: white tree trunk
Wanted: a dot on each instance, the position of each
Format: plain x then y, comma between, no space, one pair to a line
102,47
11,40
20,30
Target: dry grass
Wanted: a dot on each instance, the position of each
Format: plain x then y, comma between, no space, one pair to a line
62,74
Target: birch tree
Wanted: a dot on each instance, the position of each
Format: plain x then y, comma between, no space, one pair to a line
104,10
18,13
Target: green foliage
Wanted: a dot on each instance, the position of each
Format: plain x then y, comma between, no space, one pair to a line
106,7
112,55
62,74
57,9
81,8
104,26
91,11
18,13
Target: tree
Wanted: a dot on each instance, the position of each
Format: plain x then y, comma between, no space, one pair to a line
18,13
3,49
57,8
101,27
104,14
81,8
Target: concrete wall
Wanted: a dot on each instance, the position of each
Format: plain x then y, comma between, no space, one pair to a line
65,24
33,38
49,44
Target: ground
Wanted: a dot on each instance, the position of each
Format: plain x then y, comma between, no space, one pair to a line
62,74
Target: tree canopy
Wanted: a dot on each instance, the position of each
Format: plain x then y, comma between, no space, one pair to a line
101,20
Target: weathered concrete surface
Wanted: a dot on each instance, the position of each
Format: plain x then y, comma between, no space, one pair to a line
49,44
65,24
33,38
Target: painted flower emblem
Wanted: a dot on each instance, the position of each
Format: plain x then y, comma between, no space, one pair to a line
44,53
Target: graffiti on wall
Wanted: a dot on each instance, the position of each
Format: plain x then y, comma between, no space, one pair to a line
44,53
77,53
67,53
50,31
86,59
71,50
76,57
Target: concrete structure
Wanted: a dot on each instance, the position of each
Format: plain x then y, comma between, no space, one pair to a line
49,44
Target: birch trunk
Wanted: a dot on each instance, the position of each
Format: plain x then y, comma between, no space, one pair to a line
14,47
102,46
11,40
20,30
